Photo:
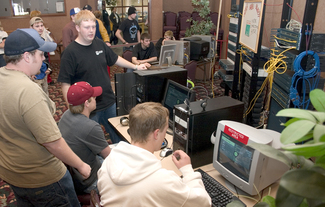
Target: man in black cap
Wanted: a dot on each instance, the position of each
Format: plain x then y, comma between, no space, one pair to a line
32,148
130,29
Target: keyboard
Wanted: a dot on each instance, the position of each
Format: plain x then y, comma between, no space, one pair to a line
220,196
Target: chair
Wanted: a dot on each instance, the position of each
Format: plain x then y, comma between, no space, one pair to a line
170,22
94,199
183,25
127,55
195,15
191,69
214,19
84,199
183,14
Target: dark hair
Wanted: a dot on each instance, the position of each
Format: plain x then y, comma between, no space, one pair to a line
14,59
145,36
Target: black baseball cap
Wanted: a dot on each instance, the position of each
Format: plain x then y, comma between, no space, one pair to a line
131,10
87,7
26,40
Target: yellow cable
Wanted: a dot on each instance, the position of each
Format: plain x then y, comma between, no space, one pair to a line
275,63
291,41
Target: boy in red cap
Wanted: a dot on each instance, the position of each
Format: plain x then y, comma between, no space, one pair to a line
84,136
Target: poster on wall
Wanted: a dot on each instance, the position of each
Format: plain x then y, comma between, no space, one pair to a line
251,24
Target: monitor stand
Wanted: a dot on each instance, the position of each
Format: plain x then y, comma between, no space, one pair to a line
169,61
235,190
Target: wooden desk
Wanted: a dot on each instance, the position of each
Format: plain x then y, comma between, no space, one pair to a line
169,165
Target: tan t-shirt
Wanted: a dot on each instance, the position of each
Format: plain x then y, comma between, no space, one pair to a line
26,121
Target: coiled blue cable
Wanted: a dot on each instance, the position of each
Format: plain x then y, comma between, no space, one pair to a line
304,77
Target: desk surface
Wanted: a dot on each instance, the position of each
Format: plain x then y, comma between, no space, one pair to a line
169,165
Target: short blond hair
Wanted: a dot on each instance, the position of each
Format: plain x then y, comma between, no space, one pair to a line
35,13
79,108
169,34
145,118
84,15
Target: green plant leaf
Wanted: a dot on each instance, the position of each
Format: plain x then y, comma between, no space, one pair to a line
271,152
317,98
320,116
299,161
305,183
291,121
307,150
320,161
315,203
295,131
297,113
263,204
319,133
319,170
269,200
304,203
235,203
286,199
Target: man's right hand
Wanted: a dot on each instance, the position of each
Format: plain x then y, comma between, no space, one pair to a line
85,170
180,159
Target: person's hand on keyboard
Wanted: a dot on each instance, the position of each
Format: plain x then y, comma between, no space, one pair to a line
147,65
181,159
142,67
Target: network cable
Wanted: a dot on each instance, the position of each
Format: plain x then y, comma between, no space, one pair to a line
302,76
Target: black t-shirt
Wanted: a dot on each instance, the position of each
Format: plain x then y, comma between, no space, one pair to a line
158,46
142,54
130,29
89,63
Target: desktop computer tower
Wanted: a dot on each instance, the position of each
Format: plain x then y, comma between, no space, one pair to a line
125,91
150,84
193,126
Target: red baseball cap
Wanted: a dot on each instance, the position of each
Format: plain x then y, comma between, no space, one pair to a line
81,91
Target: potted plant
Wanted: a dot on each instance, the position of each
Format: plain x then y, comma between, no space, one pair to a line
203,27
304,184
111,3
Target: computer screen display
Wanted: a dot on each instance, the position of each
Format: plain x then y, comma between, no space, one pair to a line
235,156
167,55
247,169
175,94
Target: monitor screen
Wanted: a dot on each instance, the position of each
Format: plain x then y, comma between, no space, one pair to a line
175,94
167,55
235,156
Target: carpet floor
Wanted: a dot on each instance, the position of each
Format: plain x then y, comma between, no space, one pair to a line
7,197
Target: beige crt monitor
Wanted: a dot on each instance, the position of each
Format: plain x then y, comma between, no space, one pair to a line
245,168
182,53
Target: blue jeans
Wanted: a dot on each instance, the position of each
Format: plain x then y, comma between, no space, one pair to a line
129,70
61,193
102,117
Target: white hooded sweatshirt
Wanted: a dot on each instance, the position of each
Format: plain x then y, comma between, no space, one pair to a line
132,176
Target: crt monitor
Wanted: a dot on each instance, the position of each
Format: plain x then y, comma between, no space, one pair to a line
175,94
167,55
244,167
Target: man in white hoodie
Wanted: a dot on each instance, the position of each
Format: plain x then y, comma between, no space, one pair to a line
133,176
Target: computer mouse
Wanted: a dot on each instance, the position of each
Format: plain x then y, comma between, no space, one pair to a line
166,152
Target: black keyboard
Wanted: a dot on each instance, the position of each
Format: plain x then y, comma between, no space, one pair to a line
220,196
